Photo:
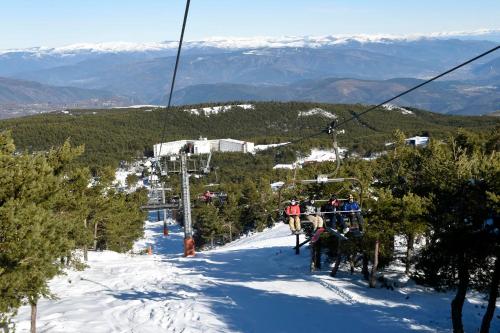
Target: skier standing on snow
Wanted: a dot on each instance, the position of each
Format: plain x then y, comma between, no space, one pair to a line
312,216
354,212
331,208
293,213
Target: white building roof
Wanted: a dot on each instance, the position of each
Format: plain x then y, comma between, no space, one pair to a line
419,140
201,146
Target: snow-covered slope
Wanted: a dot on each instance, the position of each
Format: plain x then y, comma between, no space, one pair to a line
255,284
391,107
317,111
207,111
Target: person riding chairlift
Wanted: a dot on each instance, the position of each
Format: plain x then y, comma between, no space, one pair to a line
353,212
207,196
293,213
312,215
331,207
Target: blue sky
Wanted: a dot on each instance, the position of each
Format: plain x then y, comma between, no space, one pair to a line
25,23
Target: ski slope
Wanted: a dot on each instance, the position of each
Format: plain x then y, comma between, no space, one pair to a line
255,284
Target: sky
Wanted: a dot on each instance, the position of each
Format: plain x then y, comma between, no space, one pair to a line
29,23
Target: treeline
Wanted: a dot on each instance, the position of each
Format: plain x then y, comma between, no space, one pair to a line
124,134
49,208
250,206
446,194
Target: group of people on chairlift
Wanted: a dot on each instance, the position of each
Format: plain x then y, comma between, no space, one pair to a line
334,211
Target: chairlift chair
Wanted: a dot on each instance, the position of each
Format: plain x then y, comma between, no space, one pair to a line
321,180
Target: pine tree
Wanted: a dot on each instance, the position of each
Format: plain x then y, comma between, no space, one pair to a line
230,214
411,210
457,179
46,208
121,221
208,224
381,229
131,180
249,203
491,172
32,229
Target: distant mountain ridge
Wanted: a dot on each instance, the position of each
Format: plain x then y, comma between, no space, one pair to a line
450,97
147,78
19,97
142,72
234,43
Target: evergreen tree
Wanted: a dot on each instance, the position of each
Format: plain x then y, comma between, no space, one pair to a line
46,208
249,203
32,230
131,180
122,220
208,225
457,252
381,228
230,214
411,210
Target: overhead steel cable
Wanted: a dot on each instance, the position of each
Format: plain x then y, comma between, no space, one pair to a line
401,94
174,75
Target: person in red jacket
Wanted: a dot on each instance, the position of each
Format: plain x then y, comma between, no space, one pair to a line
293,213
207,197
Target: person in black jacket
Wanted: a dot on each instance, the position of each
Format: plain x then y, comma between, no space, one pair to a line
331,208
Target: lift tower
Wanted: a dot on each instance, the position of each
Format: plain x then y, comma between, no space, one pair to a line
186,206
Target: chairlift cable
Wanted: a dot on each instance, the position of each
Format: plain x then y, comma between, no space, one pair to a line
174,75
400,94
420,85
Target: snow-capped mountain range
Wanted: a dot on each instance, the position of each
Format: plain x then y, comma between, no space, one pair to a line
235,43
336,69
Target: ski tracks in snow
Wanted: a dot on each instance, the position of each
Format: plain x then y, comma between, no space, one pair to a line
330,285
255,284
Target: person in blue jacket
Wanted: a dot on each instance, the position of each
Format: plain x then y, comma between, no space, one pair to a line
353,212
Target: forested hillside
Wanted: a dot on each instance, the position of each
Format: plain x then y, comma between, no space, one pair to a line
123,134
449,97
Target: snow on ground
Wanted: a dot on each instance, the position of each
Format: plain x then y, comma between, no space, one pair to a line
395,107
121,179
316,155
255,284
284,166
277,185
274,145
139,106
317,112
207,111
320,155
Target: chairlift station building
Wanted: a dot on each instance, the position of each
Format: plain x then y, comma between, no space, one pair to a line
203,146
